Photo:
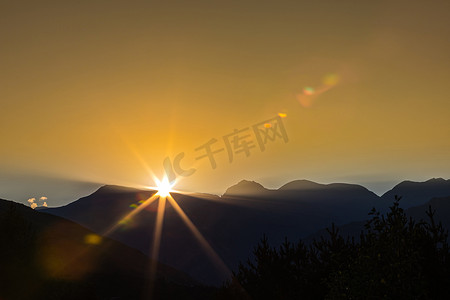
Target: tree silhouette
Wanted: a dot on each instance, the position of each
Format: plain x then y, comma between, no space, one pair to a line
395,258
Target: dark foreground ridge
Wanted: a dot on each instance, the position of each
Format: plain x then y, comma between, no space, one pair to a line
47,257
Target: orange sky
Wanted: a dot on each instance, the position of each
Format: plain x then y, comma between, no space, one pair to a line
103,91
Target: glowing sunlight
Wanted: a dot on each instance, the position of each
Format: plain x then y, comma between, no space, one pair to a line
164,187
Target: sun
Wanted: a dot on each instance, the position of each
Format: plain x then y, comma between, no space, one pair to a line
164,187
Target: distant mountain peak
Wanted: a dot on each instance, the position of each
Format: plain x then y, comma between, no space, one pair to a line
416,193
245,187
301,184
420,184
439,179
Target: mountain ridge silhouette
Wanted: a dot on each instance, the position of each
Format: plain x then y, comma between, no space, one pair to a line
231,223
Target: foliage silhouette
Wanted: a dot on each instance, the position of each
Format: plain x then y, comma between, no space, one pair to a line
395,258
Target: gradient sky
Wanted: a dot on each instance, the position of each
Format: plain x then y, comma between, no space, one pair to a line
102,91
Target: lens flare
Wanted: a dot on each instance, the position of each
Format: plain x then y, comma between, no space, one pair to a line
214,257
308,91
157,241
92,239
164,187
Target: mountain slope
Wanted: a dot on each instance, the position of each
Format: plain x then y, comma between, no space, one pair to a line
59,259
441,207
417,193
232,224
